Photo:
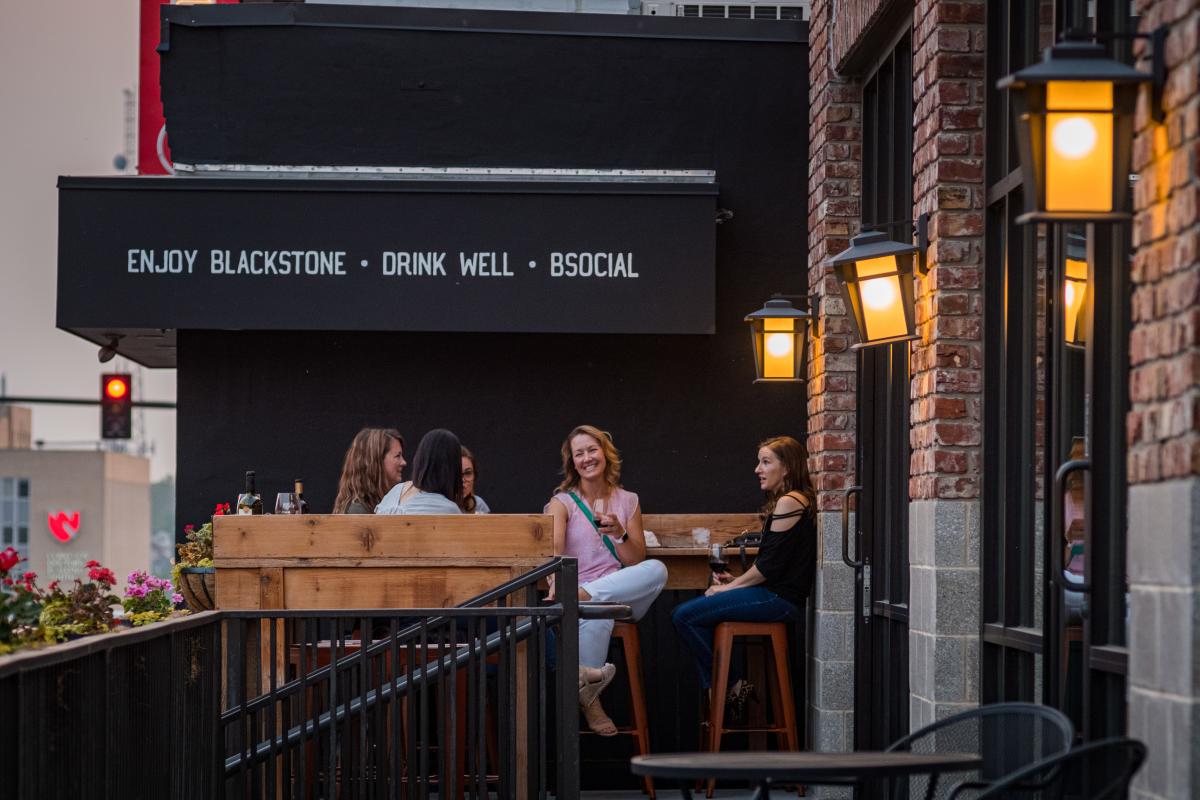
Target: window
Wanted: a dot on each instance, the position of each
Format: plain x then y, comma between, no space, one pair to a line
1052,396
14,515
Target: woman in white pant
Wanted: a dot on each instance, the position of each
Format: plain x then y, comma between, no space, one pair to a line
600,524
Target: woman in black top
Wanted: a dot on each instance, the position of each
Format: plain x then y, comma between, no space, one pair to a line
776,587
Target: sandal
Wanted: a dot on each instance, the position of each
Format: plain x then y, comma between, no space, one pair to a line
599,722
590,688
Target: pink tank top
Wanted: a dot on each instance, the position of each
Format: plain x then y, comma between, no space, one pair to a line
584,543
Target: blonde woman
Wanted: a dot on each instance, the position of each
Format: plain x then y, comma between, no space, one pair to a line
373,465
600,524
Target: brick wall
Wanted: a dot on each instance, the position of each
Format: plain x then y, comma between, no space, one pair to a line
1163,435
947,361
1163,424
854,18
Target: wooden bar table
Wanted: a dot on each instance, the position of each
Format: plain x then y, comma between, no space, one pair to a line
687,562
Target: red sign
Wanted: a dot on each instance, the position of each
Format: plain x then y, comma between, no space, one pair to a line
63,526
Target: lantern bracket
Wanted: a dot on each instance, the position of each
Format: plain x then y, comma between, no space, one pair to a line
920,228
1158,60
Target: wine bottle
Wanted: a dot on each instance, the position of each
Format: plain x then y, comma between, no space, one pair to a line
249,501
300,501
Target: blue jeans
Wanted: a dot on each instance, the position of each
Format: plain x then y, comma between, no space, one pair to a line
696,619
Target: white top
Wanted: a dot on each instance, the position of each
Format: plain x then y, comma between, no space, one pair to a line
480,506
417,503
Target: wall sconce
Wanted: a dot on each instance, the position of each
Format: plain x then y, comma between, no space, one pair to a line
778,330
876,277
1074,115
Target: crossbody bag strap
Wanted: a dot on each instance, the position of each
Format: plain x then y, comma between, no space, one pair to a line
587,512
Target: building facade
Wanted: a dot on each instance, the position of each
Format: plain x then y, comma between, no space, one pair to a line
60,509
979,568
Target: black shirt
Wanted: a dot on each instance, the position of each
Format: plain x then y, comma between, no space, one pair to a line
788,558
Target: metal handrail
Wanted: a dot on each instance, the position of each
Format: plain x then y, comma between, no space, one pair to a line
851,563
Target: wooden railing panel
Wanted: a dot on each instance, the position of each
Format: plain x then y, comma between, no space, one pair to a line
465,536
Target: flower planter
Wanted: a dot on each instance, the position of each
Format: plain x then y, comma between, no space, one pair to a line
198,585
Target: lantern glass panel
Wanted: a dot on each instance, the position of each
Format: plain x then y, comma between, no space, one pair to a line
881,298
1074,297
1079,146
779,342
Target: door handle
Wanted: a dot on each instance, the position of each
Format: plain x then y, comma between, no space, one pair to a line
851,563
1056,525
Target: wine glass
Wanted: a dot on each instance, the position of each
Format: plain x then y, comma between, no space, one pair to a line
287,503
598,506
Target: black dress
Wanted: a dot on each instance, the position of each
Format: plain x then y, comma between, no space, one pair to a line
788,558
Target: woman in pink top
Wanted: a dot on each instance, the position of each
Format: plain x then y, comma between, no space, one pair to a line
600,524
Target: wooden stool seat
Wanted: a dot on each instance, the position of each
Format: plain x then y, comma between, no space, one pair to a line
627,634
783,715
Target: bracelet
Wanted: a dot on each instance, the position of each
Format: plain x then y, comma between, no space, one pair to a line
622,538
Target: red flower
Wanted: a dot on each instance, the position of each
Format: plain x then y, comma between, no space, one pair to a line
102,575
9,559
29,577
189,528
53,587
91,564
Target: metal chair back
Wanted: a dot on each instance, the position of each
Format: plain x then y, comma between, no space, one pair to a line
1009,737
1099,770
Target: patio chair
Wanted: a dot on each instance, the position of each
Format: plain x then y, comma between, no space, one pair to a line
1098,771
1009,736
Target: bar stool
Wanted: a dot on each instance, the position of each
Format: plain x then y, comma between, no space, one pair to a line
631,646
777,677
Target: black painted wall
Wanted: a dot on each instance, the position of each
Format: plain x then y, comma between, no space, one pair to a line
683,409
641,92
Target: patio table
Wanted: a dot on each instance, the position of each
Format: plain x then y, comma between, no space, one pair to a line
764,769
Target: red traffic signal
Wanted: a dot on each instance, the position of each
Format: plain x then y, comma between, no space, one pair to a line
116,386
116,406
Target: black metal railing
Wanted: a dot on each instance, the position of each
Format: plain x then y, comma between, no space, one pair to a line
404,702
474,700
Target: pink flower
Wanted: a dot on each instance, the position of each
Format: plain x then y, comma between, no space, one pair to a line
177,598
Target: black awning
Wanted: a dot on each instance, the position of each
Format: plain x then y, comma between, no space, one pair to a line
140,257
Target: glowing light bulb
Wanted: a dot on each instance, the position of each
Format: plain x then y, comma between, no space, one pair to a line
1074,137
879,294
1069,294
779,344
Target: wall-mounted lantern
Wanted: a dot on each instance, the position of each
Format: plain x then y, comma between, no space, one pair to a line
876,277
778,330
1074,116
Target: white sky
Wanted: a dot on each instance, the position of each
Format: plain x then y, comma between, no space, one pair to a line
63,66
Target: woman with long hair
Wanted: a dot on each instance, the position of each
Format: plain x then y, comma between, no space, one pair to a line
436,487
600,524
471,502
777,585
373,465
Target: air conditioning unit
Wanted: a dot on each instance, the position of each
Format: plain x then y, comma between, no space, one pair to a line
751,10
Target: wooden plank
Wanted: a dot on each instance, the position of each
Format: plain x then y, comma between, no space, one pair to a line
371,536
394,587
525,563
237,589
676,529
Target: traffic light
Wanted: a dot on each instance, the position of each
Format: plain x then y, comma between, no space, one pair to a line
116,405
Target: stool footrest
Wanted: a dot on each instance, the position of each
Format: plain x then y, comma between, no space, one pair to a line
779,729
